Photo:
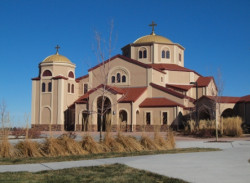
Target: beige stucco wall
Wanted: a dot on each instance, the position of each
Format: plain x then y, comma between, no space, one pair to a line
176,77
159,93
136,74
156,115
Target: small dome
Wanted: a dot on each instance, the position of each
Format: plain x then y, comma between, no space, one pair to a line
152,38
57,58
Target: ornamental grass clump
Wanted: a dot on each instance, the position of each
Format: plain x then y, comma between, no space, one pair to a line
6,149
91,146
232,126
52,147
170,139
112,144
71,146
160,141
28,148
148,144
129,143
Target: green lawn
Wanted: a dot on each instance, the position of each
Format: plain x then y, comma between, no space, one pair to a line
103,174
5,161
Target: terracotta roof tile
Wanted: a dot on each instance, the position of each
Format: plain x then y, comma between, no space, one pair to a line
37,78
131,94
204,81
167,90
181,87
245,98
224,99
158,102
172,67
127,59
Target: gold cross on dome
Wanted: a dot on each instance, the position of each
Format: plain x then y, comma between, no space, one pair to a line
57,48
153,27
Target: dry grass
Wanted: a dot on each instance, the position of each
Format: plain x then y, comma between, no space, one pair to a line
148,143
232,126
28,148
170,139
51,147
129,143
112,144
6,149
160,141
71,146
91,146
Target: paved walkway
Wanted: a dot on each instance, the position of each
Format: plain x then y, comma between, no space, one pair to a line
229,165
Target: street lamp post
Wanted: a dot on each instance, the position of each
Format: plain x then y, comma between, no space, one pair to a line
196,107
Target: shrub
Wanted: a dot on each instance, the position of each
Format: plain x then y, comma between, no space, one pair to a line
129,143
232,126
170,139
148,143
112,144
71,146
90,145
28,148
52,147
6,149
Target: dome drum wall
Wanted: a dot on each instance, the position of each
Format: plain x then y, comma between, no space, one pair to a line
59,65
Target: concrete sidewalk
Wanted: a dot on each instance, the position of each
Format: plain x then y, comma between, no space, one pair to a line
229,165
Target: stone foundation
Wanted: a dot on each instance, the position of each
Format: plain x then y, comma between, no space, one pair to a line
91,128
46,127
114,128
150,128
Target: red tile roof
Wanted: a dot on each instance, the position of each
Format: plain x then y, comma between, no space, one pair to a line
180,87
131,94
167,90
127,59
224,99
82,77
60,77
37,78
172,67
204,81
245,98
158,102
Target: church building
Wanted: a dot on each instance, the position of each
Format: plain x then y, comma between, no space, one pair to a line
144,87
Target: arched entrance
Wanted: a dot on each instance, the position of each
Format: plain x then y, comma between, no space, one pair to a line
123,117
228,113
204,115
104,112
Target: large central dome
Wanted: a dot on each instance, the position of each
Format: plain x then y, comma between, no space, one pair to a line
57,58
153,38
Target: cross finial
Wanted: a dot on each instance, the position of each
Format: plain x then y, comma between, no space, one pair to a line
57,48
153,27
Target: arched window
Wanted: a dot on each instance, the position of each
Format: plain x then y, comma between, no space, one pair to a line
113,79
71,74
124,79
85,88
179,57
72,88
49,87
43,87
145,54
168,54
118,76
47,73
68,88
163,54
140,54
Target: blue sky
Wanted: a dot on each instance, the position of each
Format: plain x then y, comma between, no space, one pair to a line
215,33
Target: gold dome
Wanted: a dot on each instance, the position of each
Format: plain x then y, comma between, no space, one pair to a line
153,38
57,58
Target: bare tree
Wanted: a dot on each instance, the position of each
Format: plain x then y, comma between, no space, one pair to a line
4,118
